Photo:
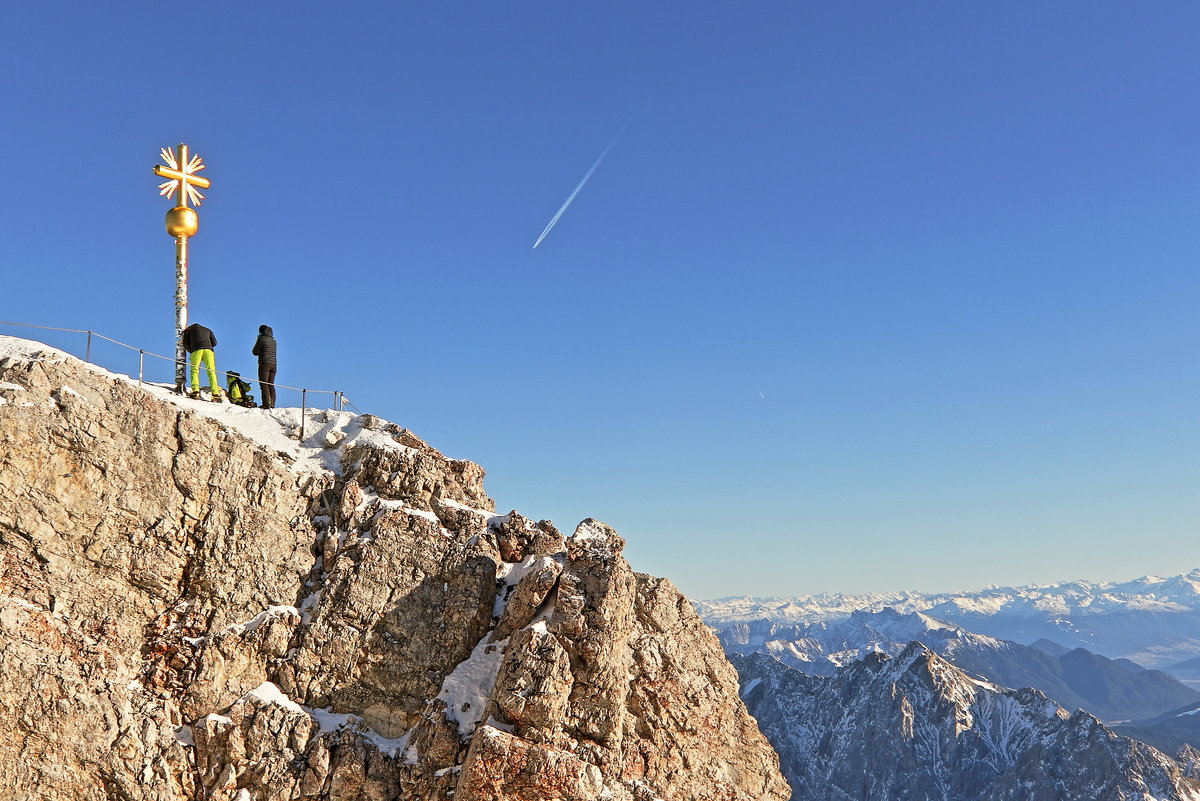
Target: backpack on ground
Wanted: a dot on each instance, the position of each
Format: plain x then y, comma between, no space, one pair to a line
239,391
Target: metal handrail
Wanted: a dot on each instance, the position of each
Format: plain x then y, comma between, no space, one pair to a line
338,396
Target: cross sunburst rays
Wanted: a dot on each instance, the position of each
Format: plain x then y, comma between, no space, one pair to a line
182,177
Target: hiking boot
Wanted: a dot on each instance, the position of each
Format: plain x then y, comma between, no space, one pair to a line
194,395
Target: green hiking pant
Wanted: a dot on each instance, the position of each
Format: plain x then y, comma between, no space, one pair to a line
204,355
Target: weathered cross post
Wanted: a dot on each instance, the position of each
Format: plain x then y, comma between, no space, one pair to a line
182,223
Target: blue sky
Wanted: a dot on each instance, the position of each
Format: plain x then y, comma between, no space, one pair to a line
866,296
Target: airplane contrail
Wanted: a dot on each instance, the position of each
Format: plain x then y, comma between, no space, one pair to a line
559,213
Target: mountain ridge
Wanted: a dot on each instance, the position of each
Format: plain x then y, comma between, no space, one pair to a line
915,727
1152,621
1110,689
1178,591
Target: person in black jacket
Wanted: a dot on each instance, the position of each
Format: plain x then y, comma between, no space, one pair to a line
199,342
264,349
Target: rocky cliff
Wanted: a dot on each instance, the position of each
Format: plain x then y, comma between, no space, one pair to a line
195,605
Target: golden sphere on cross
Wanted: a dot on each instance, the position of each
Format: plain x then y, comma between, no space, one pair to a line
182,221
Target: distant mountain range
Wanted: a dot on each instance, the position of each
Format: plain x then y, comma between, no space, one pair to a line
1152,621
1115,690
915,727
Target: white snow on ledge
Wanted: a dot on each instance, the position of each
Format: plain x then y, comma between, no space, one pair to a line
274,429
467,688
590,531
331,722
430,516
69,391
270,692
328,722
456,505
26,350
253,623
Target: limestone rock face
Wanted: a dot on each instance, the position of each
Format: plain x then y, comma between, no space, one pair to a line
189,613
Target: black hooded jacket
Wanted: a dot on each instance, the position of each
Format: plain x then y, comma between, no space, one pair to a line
264,347
197,337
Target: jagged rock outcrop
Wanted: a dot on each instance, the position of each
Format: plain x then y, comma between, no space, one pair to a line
915,727
189,613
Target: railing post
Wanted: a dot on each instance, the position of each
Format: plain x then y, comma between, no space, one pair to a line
303,408
340,401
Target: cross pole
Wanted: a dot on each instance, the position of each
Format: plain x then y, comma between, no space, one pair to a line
182,222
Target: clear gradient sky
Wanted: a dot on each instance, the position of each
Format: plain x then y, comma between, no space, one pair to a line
867,296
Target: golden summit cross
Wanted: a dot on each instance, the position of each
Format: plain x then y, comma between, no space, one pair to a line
182,223
181,175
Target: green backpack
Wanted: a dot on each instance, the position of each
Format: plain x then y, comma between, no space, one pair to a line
239,391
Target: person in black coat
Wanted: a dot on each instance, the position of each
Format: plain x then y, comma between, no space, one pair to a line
264,349
199,342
